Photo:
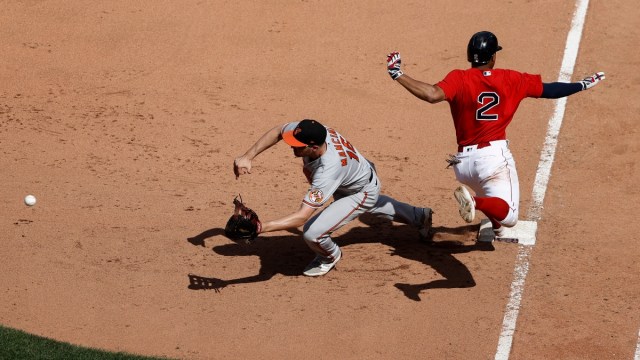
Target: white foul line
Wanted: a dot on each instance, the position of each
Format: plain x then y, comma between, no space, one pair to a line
541,181
637,356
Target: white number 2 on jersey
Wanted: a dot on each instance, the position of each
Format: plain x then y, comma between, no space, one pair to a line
487,100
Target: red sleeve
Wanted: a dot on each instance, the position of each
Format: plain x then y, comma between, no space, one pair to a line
531,85
450,84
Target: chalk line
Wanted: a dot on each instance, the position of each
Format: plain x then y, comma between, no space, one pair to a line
541,181
637,356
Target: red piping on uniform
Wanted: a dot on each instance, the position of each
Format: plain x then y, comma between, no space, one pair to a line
315,206
510,182
351,212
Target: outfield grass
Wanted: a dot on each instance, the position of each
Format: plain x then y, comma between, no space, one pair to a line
18,345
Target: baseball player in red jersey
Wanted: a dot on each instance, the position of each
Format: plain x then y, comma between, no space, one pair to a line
483,101
334,168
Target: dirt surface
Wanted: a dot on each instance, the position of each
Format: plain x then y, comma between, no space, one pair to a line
123,119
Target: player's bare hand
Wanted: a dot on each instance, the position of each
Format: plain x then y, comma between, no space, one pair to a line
241,166
393,65
591,81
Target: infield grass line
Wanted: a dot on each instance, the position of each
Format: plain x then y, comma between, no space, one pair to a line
541,181
19,345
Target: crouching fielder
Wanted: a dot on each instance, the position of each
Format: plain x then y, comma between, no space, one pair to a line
334,169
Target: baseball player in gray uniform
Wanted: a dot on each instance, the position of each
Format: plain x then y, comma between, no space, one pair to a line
334,168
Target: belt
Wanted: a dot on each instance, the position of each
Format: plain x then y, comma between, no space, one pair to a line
371,177
481,145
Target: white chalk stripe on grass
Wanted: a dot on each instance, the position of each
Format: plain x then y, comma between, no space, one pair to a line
541,181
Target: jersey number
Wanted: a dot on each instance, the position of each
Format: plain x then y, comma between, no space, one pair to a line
345,149
488,100
351,152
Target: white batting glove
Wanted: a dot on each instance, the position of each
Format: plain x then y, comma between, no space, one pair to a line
393,65
591,81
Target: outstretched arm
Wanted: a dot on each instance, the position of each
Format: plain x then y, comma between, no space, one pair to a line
291,221
558,89
242,164
427,92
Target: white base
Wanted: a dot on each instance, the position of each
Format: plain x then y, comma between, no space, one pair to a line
523,233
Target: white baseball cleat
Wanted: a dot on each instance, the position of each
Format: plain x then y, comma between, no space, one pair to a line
425,228
466,204
321,265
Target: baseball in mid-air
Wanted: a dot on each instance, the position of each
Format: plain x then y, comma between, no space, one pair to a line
30,200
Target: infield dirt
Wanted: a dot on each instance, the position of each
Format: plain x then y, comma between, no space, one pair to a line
123,119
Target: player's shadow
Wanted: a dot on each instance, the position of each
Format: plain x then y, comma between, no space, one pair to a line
285,255
439,254
198,240
288,255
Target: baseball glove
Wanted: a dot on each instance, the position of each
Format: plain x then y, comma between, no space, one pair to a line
244,225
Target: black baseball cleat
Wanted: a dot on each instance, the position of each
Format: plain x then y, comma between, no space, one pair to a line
426,228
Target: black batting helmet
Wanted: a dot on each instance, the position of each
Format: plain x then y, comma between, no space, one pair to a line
481,48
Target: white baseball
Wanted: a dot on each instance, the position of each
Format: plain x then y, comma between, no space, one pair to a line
30,200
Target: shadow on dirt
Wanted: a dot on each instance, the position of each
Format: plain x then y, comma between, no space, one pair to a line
199,239
288,255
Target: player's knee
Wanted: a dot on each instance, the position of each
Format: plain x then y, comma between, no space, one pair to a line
310,236
510,221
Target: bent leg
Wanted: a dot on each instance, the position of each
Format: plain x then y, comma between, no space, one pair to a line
394,210
504,187
317,231
498,191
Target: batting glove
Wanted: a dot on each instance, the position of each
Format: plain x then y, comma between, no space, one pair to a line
393,65
591,81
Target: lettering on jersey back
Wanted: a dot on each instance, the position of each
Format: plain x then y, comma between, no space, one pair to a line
343,147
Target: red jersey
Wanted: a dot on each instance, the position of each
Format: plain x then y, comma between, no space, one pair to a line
483,102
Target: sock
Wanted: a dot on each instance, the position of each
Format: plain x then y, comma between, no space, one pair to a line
493,207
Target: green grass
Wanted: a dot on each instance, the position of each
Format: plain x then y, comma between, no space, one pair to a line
18,345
